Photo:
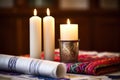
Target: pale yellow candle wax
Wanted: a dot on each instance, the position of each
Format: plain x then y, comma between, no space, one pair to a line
69,31
49,36
35,36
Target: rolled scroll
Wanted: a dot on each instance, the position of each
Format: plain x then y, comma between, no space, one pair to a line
32,66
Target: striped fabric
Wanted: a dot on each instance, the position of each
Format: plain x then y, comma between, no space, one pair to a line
92,63
89,64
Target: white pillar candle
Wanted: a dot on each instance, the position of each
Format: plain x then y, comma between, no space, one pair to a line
49,36
69,31
35,35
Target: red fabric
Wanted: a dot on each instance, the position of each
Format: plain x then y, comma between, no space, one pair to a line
94,65
90,64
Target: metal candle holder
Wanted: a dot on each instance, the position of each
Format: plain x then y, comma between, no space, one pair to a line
69,50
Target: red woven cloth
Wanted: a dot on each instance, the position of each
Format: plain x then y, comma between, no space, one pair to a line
95,64
91,64
95,67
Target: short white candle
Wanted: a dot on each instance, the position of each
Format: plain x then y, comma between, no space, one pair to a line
49,36
35,36
69,31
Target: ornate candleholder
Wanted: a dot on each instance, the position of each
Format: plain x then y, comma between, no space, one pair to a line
69,50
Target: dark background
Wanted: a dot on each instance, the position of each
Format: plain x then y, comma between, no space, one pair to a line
99,26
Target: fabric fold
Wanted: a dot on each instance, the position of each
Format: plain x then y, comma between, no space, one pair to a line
94,65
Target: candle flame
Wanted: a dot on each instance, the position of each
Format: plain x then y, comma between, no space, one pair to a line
68,21
48,11
35,12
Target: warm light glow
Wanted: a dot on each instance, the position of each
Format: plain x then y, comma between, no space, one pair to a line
35,12
68,21
48,11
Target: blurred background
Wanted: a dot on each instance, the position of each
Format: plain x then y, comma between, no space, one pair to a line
98,20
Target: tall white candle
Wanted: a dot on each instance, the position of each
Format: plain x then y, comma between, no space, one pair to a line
69,31
49,36
35,35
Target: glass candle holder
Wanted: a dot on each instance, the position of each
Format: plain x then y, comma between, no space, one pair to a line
69,50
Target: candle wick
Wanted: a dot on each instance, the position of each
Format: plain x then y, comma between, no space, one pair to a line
35,12
48,11
68,21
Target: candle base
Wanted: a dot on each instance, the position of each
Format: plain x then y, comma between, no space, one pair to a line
69,50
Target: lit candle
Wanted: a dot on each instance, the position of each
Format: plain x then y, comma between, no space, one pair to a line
49,36
35,35
69,31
